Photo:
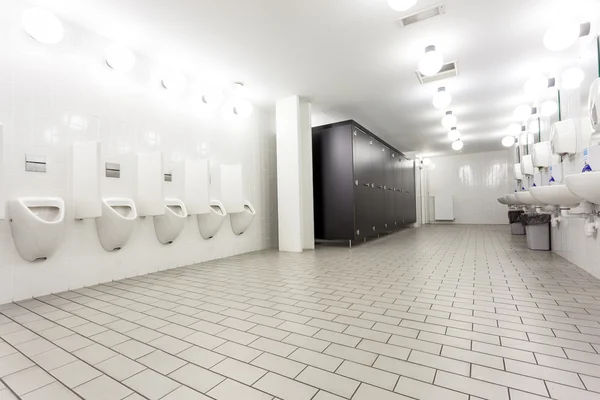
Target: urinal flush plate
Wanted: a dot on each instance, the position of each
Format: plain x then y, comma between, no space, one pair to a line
585,185
37,225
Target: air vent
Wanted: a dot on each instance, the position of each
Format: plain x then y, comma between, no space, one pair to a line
422,15
448,71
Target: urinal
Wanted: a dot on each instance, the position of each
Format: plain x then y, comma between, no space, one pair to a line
37,225
169,226
241,221
209,224
116,224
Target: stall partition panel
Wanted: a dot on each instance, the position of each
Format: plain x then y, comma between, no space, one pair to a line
364,184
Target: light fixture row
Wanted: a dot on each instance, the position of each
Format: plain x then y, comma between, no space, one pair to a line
44,27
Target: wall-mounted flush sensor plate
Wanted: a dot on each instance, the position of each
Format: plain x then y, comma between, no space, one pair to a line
35,163
113,170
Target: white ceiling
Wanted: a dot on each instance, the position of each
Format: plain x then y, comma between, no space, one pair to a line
349,57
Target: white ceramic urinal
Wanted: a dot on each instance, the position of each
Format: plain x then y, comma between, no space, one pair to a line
169,226
209,224
37,225
241,221
116,224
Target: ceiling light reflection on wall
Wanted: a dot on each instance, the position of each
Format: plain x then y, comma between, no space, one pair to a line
174,81
549,108
213,97
522,112
562,35
508,141
401,5
120,58
449,120
442,98
42,26
453,135
431,62
572,78
457,145
243,108
536,85
514,129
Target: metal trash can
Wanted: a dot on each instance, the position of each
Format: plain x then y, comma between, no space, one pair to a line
537,227
514,218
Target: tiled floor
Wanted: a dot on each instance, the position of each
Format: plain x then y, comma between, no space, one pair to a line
432,313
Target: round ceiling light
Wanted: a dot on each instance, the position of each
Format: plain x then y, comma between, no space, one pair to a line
120,58
453,135
449,120
243,108
213,97
522,112
562,35
549,108
42,25
457,145
401,5
175,81
442,99
431,62
572,78
536,86
427,162
514,129
508,141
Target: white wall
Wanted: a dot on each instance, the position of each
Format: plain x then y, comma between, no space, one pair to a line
475,181
53,96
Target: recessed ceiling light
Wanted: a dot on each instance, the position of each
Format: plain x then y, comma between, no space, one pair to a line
572,78
549,108
120,58
427,162
514,129
457,145
449,120
42,25
453,135
174,81
522,112
243,108
401,5
432,61
562,35
442,98
508,141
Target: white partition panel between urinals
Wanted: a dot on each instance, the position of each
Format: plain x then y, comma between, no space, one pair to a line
196,186
232,193
150,196
86,178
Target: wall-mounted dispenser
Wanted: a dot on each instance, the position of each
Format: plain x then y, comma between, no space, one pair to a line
571,136
37,225
517,174
86,170
543,156
594,105
527,165
150,198
240,221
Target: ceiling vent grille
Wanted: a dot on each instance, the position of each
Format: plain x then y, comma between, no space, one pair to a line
422,15
448,70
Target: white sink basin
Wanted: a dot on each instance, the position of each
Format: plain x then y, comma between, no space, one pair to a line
527,198
585,185
511,199
555,195
502,200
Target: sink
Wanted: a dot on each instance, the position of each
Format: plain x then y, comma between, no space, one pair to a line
511,199
502,200
527,198
585,185
555,195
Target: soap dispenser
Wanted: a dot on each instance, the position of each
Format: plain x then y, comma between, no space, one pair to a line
586,168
